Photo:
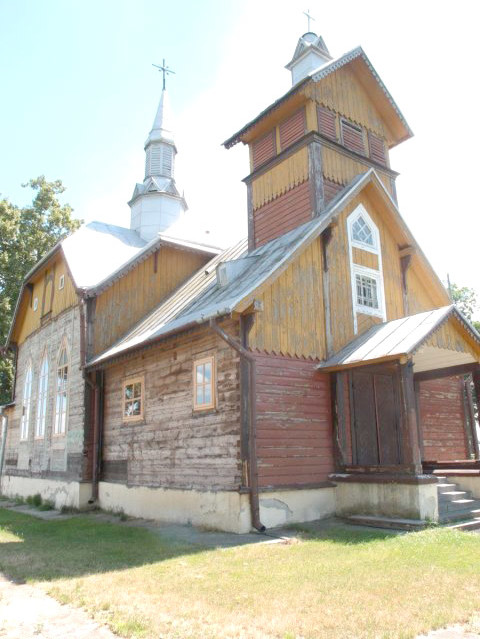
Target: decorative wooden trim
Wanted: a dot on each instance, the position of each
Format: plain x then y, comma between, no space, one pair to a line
213,383
450,371
131,381
315,177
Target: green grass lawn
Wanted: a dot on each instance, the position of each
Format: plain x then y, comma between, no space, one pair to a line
342,584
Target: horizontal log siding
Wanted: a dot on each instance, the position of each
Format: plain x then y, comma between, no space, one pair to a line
282,214
263,149
330,189
442,419
294,428
173,446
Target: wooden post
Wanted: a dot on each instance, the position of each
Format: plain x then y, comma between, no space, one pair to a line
408,418
476,386
472,435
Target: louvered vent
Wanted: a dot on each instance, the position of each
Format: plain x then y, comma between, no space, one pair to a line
326,122
159,160
167,157
292,129
263,149
352,137
377,148
155,160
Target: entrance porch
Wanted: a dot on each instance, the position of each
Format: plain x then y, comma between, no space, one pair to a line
404,396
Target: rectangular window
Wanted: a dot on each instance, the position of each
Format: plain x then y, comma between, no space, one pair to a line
352,136
133,399
204,383
61,282
367,293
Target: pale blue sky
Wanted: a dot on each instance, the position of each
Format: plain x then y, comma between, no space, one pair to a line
79,95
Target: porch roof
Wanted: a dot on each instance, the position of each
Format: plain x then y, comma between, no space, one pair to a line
412,337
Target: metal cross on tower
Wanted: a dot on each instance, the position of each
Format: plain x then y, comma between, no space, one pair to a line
309,17
164,69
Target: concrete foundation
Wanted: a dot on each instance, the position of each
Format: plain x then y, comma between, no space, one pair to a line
467,482
281,507
60,493
395,500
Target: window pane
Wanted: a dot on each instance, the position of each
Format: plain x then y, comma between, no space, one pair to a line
129,391
200,373
137,391
208,394
136,408
128,409
367,291
361,232
208,373
200,396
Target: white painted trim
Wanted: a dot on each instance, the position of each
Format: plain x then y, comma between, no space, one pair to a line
361,211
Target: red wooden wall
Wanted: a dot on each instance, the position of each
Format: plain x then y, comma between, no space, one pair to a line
282,214
442,419
294,426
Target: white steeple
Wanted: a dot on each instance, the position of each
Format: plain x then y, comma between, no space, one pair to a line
156,204
310,54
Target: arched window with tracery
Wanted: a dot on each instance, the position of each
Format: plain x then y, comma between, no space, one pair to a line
42,397
61,398
27,403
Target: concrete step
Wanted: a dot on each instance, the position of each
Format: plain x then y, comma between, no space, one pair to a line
453,495
458,504
387,522
446,486
466,514
474,524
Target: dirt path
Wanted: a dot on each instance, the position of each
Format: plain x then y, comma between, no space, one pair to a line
26,612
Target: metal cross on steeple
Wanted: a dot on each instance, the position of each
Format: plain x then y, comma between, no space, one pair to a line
165,70
309,17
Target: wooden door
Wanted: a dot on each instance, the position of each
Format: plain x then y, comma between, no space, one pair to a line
375,420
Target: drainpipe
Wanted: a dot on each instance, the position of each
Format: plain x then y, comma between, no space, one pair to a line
4,420
252,423
97,388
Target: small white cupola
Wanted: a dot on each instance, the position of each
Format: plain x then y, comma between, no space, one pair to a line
157,204
310,54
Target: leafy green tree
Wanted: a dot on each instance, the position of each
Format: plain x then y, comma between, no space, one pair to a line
26,234
465,299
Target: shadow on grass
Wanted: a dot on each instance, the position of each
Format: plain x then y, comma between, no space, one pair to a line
48,550
335,531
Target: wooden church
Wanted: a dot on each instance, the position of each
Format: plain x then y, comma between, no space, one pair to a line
317,368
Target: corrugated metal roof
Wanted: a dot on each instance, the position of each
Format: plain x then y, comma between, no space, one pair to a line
315,76
201,298
394,339
96,250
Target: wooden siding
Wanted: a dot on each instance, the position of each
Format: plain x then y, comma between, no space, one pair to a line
364,322
29,320
365,258
342,92
292,129
294,429
352,136
442,419
330,189
128,299
327,122
447,336
173,446
283,214
280,178
419,295
263,149
342,168
376,148
292,322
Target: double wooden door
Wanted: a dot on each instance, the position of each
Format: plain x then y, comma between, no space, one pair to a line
375,418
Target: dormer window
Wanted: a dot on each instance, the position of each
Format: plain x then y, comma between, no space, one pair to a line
362,233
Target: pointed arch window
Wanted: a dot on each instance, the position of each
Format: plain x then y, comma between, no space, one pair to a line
61,399
42,398
362,233
27,403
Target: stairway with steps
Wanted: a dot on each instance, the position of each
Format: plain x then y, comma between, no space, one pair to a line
457,505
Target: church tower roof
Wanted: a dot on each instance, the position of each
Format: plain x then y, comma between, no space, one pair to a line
162,129
310,53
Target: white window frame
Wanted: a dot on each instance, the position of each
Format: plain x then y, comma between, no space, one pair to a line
61,394
377,275
26,402
42,397
35,304
61,282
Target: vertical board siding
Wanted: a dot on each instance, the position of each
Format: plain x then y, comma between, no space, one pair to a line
282,214
173,446
294,428
292,320
128,299
419,297
327,122
292,129
263,149
340,168
442,419
29,320
364,258
292,171
343,93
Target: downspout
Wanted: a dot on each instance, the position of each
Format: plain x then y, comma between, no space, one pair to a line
252,422
4,420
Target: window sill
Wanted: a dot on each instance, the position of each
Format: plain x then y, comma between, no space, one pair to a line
134,422
202,412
